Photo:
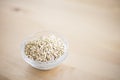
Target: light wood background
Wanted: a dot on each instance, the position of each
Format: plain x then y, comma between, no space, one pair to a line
92,28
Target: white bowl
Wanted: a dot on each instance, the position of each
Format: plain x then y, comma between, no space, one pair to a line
43,65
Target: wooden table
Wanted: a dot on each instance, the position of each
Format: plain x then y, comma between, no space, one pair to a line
92,28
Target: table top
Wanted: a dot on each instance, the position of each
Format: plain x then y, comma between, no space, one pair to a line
92,28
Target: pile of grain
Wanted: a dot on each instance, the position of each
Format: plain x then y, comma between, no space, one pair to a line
45,48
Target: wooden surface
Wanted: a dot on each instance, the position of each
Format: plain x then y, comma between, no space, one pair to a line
92,28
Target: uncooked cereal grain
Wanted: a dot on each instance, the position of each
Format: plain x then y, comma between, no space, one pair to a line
45,48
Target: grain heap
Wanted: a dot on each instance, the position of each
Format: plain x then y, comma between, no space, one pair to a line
44,49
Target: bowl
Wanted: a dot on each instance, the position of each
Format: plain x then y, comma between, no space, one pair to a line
44,65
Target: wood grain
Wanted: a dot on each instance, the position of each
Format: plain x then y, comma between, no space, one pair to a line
92,28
